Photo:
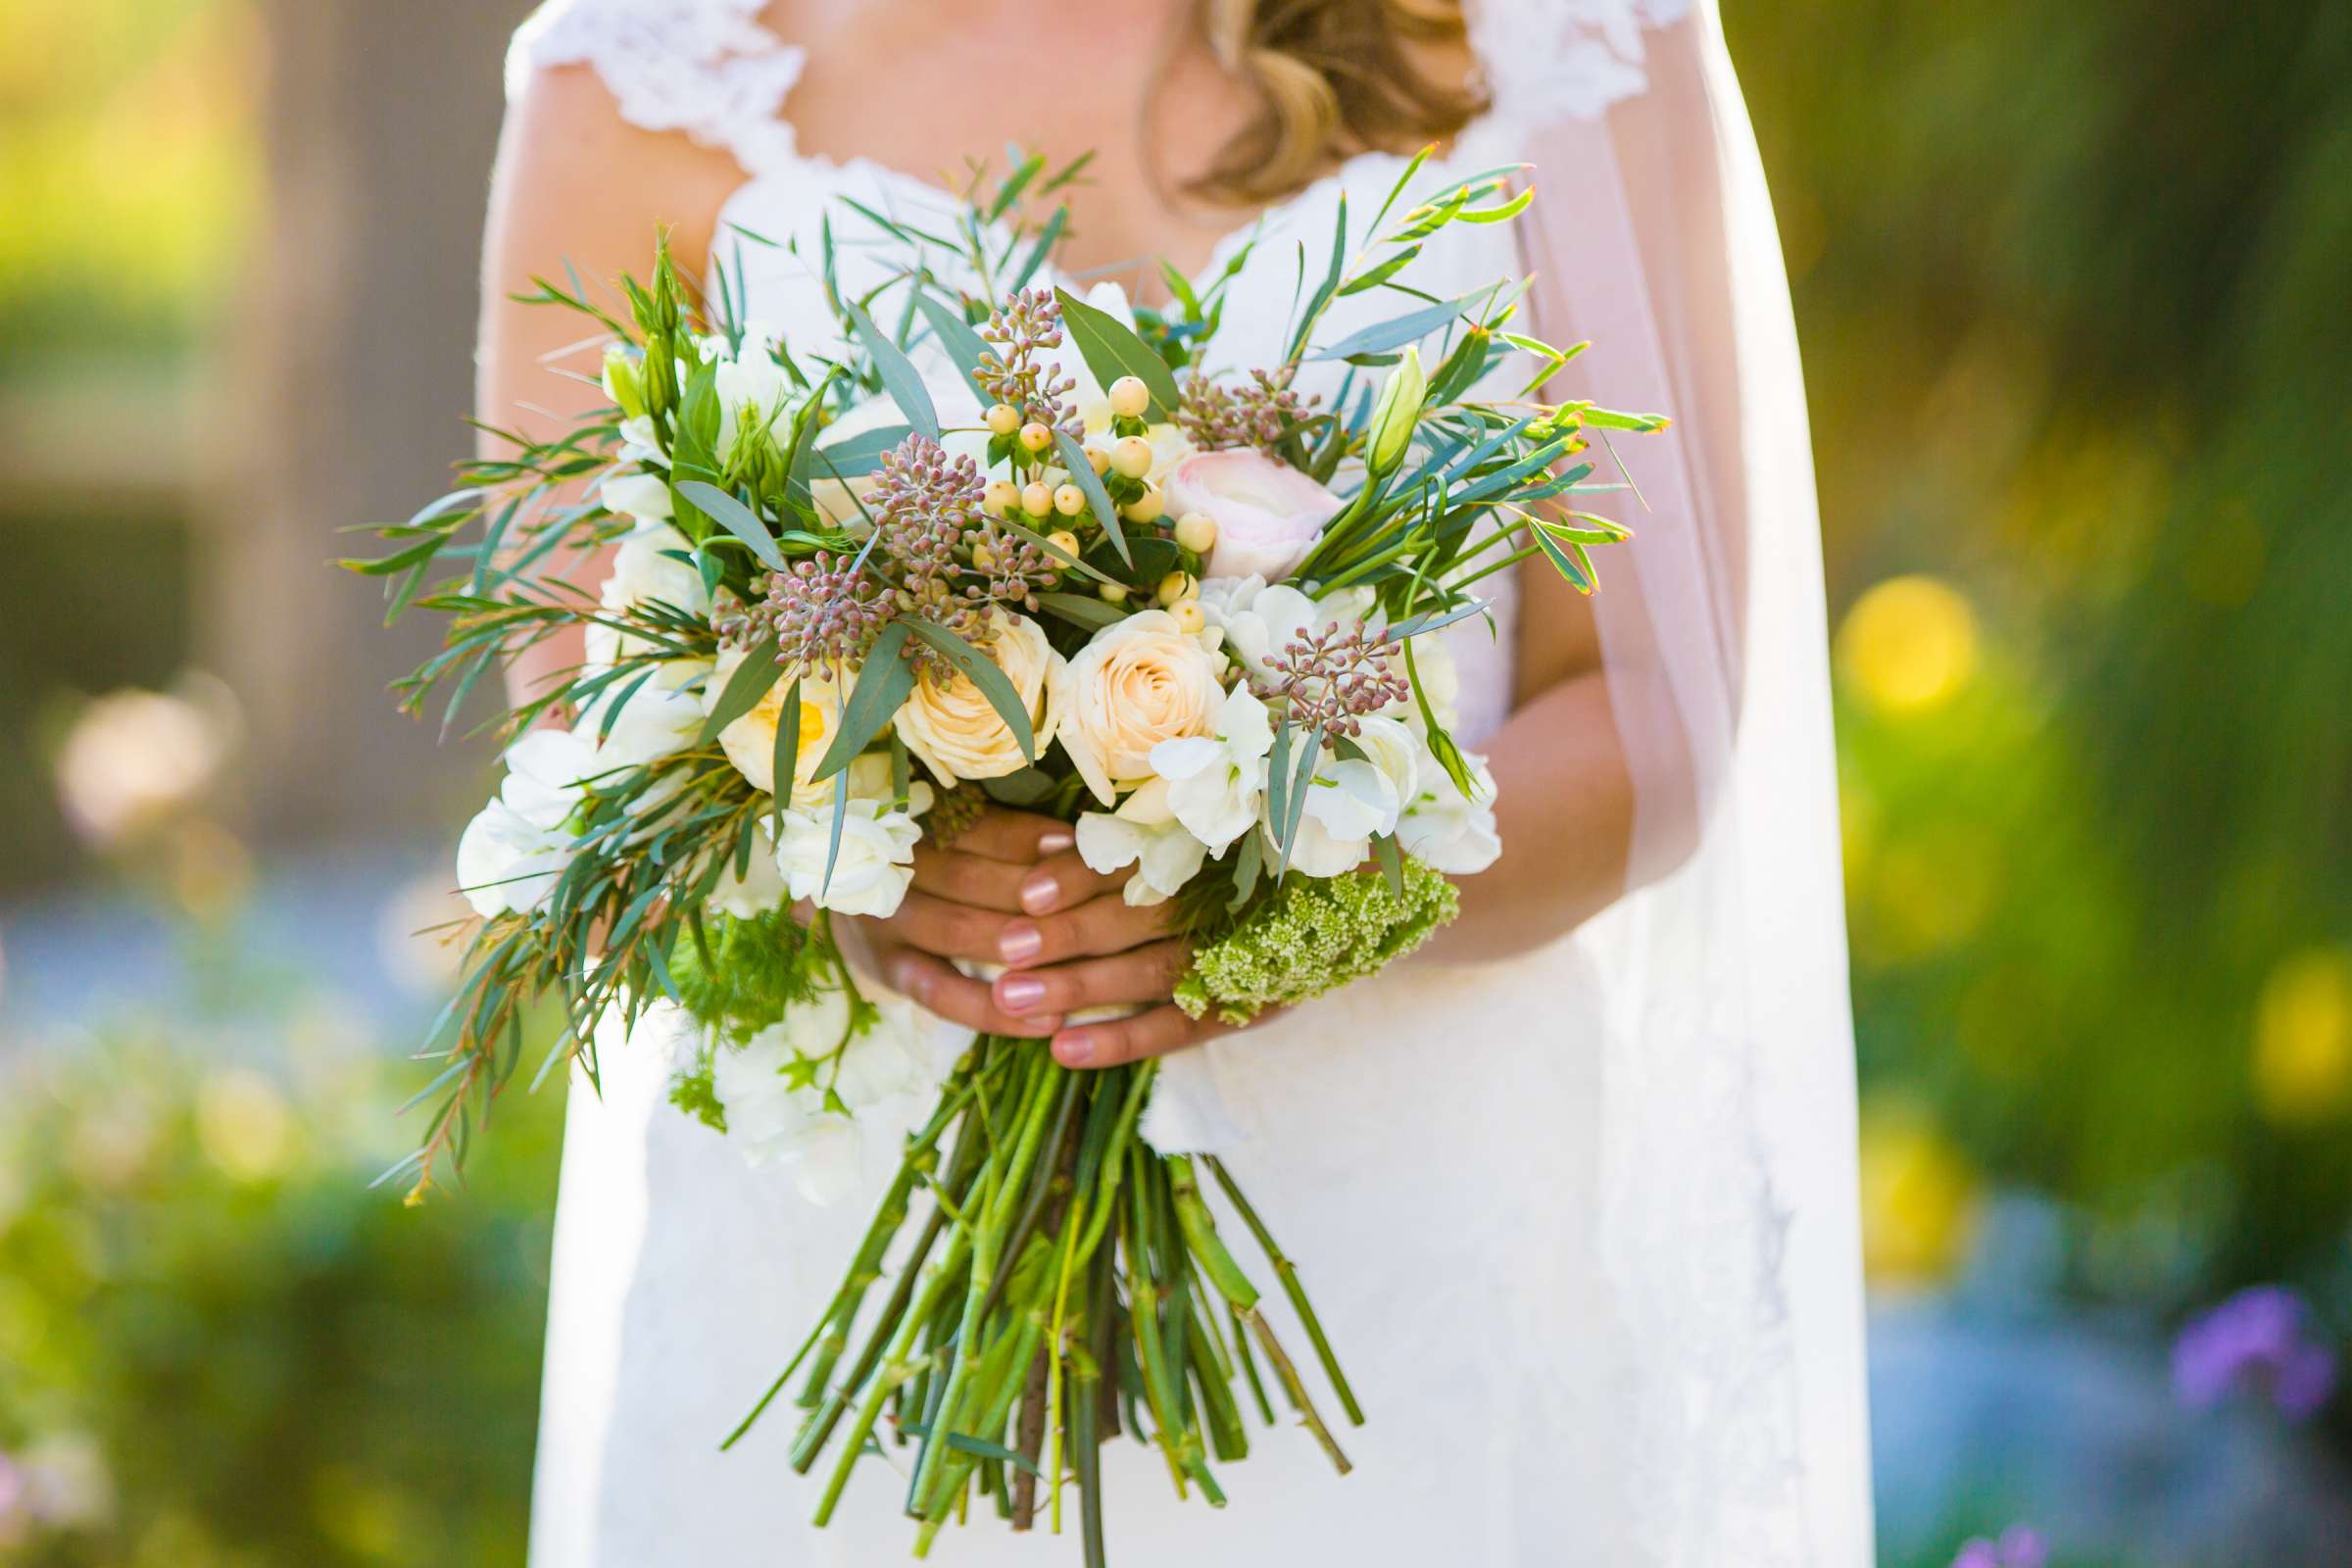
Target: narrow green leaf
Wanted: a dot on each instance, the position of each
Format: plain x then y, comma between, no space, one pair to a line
1081,609
899,378
883,682
1410,327
841,808
736,518
962,344
982,671
858,454
1391,861
787,754
1083,475
1111,350
751,681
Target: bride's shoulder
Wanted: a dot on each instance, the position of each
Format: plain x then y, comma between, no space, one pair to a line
709,68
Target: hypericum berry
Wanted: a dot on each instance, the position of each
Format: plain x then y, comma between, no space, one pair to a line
1190,616
1113,593
1099,460
1035,437
1035,498
1065,541
1131,456
1069,501
1197,531
1129,397
1004,418
1178,586
1001,497
1146,506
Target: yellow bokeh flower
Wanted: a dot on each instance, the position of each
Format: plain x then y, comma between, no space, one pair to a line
2303,1038
1908,645
1920,1199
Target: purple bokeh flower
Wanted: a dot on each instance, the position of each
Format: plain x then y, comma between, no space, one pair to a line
2020,1547
2260,1338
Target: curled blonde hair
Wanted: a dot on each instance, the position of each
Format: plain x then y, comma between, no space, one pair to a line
1333,78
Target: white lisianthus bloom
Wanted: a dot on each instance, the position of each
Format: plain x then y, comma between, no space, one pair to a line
1445,829
872,867
643,496
884,1059
1136,683
1216,786
640,444
957,732
761,886
751,741
753,389
654,563
1144,833
774,1123
515,848
1349,802
1440,681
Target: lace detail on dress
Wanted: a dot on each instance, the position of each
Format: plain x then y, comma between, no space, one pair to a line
1552,60
706,68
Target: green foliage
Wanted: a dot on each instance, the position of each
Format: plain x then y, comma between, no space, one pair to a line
751,970
1311,935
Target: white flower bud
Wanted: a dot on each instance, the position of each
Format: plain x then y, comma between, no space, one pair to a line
1146,506
1069,501
1129,397
1197,531
1131,456
1004,418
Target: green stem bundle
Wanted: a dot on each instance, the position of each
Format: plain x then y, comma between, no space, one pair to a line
1081,1268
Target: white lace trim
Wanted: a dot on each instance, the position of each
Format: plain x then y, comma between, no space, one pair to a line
1552,60
705,67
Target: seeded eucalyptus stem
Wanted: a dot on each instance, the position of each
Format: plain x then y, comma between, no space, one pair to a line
1080,1266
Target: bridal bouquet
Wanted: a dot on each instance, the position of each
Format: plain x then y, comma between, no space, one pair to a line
1022,547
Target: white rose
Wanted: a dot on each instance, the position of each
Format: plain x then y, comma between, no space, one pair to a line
1216,786
750,741
957,732
872,868
1137,682
1142,830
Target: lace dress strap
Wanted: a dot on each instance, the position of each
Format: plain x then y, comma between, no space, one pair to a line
705,67
1546,61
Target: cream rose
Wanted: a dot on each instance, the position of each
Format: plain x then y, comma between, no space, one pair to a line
948,724
751,741
1268,514
1139,681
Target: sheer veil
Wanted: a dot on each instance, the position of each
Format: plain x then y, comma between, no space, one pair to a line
1730,1234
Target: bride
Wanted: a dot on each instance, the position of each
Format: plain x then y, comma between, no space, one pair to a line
1575,1193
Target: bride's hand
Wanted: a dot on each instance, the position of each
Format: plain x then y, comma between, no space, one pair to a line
971,899
1099,953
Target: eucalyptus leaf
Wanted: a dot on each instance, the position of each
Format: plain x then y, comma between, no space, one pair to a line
1410,327
883,682
982,671
736,518
1083,475
751,681
957,338
899,378
1111,350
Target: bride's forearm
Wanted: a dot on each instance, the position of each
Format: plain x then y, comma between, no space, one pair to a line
1566,812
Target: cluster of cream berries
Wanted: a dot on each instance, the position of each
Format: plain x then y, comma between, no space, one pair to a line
1129,457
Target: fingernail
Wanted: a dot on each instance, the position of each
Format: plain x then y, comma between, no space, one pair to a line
1055,839
1018,992
1074,1047
1039,892
1017,943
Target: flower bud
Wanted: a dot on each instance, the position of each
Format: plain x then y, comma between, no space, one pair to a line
1113,593
1069,501
1004,418
1129,397
623,384
1065,541
1100,459
1197,531
1035,437
1396,412
1146,506
1035,498
1190,616
983,558
1131,456
1001,497
1176,587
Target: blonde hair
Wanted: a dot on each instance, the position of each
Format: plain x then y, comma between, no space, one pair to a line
1334,78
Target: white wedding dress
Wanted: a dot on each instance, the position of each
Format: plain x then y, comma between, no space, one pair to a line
1579,1223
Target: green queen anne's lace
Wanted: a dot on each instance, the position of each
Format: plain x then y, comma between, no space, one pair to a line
1313,935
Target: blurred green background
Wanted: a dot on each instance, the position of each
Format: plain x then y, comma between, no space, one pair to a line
2075,288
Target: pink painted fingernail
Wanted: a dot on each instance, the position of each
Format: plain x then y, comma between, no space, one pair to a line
1055,839
1039,892
1074,1047
1018,992
1018,943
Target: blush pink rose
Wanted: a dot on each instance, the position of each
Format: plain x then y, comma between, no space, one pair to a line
1268,514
